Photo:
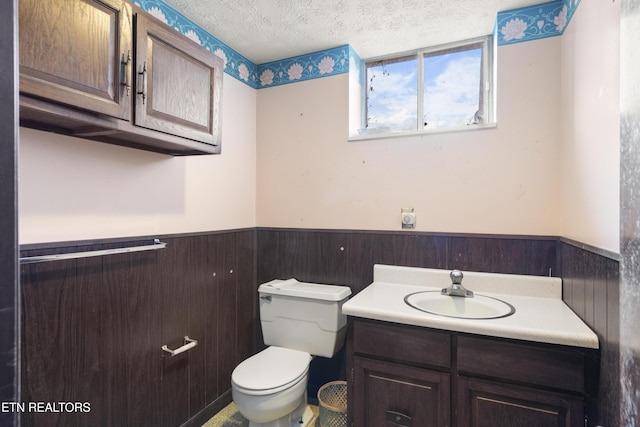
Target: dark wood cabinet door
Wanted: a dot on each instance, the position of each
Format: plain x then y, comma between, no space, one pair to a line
491,404
388,394
72,52
178,83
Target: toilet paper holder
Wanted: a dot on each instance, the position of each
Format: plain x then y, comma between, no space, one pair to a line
189,344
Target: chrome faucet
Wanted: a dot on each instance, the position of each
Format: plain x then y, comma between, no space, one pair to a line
456,289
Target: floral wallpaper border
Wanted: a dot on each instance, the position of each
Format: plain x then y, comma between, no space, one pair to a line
235,64
534,22
514,26
306,67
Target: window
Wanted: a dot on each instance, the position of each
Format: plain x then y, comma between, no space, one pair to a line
437,88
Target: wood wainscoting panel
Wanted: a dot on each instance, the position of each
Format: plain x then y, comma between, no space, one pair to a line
93,329
591,287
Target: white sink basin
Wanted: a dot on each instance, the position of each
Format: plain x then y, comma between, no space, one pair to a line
477,307
538,312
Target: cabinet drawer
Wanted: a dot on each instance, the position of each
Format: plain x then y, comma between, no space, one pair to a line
410,344
527,363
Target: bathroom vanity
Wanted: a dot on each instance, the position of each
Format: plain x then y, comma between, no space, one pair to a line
411,368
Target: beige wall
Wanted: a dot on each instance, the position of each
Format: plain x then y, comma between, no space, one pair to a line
550,167
591,125
502,180
73,189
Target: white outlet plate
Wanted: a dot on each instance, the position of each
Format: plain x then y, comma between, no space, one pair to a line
408,218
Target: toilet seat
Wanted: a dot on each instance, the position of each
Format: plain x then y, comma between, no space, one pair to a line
272,370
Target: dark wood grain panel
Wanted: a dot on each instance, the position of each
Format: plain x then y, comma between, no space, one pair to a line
473,254
311,254
578,288
279,255
96,326
86,353
391,394
226,265
597,291
541,258
131,356
489,404
247,295
556,367
308,256
62,358
368,248
568,265
199,283
591,288
9,273
606,403
364,250
43,333
411,345
173,307
508,255
613,302
496,255
412,250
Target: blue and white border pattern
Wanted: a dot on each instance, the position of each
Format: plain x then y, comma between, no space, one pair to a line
305,67
534,22
514,26
235,64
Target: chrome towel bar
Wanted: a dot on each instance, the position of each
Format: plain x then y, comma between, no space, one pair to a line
189,344
157,244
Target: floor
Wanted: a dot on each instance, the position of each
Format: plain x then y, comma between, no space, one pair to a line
230,417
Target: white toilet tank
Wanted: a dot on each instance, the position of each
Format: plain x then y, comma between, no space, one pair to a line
303,316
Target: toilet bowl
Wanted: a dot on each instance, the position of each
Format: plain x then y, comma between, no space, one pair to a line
269,388
299,320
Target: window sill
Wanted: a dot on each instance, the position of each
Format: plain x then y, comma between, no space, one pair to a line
369,135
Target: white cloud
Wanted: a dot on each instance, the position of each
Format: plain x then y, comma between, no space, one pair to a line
393,100
451,94
452,97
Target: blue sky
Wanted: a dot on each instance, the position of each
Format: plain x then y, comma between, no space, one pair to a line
451,91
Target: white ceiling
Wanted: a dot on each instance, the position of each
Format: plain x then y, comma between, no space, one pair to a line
268,30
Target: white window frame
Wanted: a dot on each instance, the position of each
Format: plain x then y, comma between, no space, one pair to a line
487,94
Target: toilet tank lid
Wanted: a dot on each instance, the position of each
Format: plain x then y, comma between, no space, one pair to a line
293,288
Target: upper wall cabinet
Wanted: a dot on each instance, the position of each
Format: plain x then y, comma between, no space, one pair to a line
106,70
176,83
70,53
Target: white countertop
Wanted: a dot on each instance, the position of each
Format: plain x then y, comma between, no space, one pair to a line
540,315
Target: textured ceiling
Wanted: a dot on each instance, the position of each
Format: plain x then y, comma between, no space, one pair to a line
267,30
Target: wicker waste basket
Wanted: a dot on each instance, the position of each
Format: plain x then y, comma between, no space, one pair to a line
332,398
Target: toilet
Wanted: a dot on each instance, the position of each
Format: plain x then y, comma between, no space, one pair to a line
299,321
